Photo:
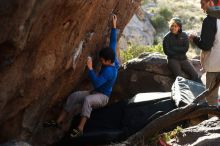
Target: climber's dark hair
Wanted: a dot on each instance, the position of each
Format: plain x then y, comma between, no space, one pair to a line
107,54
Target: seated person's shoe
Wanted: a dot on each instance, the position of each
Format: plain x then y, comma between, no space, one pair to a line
51,123
76,133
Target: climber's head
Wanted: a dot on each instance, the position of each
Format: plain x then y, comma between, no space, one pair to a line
107,56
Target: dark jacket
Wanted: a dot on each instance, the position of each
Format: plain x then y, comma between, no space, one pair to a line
207,38
176,45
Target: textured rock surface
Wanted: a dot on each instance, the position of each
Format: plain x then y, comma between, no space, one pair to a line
203,134
138,31
147,73
15,143
38,39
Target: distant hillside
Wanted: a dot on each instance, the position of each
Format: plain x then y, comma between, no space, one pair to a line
189,11
139,35
161,11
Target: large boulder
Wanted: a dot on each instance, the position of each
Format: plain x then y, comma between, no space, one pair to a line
38,42
147,73
138,31
204,134
15,143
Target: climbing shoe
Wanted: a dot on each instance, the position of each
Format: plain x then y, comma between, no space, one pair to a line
76,133
51,123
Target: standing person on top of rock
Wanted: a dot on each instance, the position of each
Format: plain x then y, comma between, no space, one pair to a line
214,10
209,42
102,83
175,46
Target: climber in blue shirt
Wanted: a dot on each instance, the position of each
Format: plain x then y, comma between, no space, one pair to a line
105,80
102,83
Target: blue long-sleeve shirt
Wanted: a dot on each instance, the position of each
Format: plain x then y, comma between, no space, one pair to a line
106,78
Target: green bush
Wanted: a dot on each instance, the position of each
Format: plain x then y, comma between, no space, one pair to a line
143,2
166,137
159,22
172,134
162,16
166,13
134,51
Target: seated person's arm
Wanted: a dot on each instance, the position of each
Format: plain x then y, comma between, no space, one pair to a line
167,49
185,47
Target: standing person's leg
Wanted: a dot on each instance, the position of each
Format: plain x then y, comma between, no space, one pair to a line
93,101
189,69
210,82
174,66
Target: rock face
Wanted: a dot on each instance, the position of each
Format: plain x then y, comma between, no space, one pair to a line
203,134
15,143
38,41
147,73
138,31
